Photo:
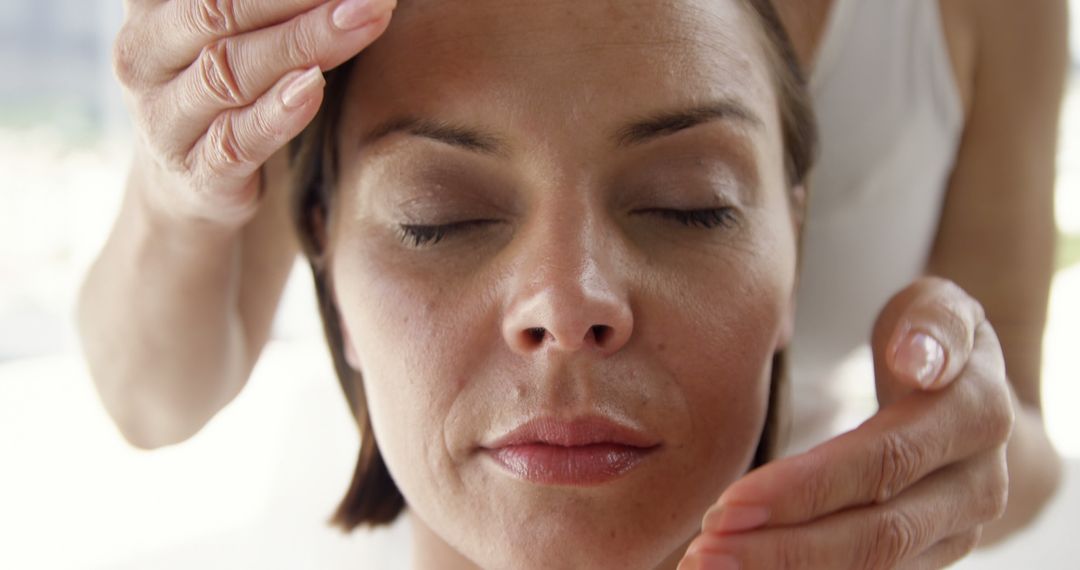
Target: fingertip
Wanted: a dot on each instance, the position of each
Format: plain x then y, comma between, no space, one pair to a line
300,88
730,519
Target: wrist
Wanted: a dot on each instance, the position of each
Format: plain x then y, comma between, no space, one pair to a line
164,214
167,222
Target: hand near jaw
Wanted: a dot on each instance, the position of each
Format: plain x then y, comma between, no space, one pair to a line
216,87
912,486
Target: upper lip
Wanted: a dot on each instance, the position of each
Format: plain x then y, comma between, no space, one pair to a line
585,430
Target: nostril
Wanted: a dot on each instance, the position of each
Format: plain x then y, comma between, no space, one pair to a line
537,334
600,333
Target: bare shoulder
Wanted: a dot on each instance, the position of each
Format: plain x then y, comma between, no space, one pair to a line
1005,40
1022,39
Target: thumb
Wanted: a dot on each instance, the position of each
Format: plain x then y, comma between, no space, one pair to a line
923,338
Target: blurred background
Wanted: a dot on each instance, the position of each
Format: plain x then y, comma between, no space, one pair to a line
255,488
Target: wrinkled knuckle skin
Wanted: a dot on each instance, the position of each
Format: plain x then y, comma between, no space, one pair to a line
126,60
301,45
216,17
900,461
894,537
216,75
816,492
227,153
263,126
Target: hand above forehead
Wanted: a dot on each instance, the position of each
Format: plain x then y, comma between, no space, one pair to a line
216,88
914,484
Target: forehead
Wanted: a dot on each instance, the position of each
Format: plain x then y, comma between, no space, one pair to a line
538,65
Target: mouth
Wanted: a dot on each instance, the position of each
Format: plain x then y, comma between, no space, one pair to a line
584,452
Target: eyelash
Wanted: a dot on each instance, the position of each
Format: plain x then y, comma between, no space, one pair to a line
425,236
705,219
422,236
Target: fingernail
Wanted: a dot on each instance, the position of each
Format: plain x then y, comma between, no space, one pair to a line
300,89
353,14
735,518
717,561
921,357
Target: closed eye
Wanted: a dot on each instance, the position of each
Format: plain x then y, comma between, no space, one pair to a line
429,235
707,219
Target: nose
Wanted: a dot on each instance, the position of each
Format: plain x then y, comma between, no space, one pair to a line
570,298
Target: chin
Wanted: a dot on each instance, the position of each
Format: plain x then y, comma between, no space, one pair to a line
578,535
577,551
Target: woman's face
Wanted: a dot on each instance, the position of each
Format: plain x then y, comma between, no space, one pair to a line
564,142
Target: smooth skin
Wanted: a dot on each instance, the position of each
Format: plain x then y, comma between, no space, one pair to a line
201,243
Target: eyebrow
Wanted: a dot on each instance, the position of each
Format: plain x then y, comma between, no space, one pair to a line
458,136
670,122
639,132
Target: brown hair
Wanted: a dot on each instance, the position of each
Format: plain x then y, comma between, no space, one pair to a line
373,498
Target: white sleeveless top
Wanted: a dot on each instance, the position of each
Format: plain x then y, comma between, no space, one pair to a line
891,118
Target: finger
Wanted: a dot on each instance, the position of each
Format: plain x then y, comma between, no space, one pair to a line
184,27
160,38
873,463
950,502
235,71
946,552
925,334
225,161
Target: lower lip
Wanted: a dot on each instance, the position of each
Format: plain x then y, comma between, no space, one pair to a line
579,466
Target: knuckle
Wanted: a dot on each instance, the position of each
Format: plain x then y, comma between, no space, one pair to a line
894,536
215,17
816,494
301,43
225,153
216,75
125,57
262,125
899,462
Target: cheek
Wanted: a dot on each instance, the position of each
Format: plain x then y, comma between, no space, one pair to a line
410,334
717,332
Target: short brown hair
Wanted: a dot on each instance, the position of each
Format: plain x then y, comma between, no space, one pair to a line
373,498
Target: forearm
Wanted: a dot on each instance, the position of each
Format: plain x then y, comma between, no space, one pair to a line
159,323
1034,475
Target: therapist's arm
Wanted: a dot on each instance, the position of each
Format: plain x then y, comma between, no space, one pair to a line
173,317
175,311
996,236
